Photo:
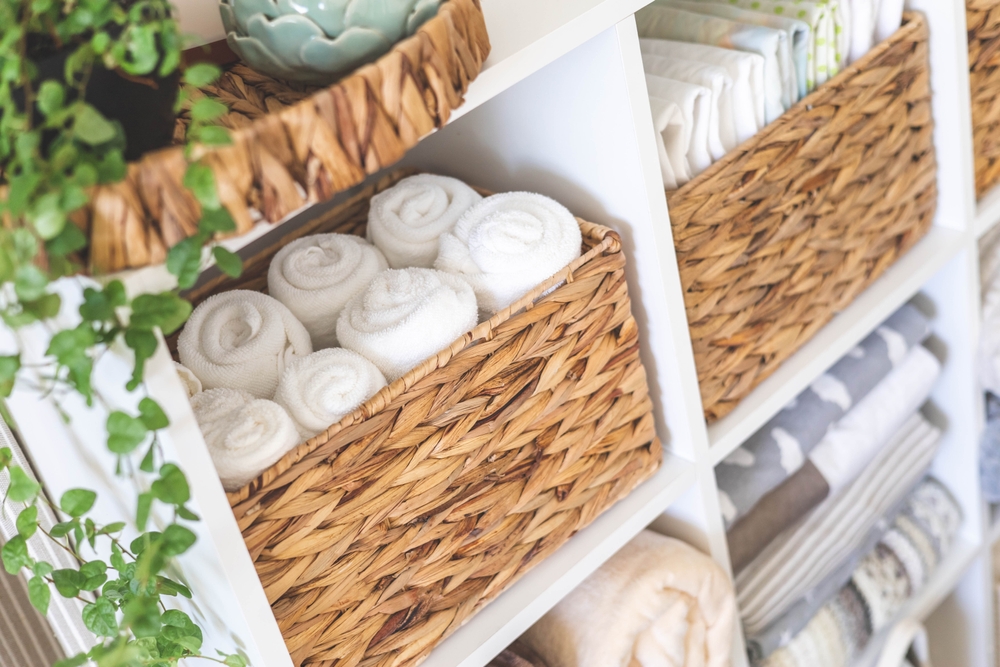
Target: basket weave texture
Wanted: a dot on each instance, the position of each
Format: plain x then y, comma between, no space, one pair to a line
983,23
787,229
378,538
292,145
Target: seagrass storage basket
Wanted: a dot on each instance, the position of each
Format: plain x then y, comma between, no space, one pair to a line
292,145
378,538
787,229
982,19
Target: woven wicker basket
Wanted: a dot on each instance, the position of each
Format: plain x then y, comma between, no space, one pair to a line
787,229
983,22
381,536
292,145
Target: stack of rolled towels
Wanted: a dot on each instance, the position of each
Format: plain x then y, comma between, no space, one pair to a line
346,315
826,499
717,71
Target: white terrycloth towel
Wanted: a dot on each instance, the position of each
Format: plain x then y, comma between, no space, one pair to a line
406,220
686,145
656,603
241,340
507,244
668,23
721,130
316,275
322,388
405,316
245,435
745,69
192,385
851,444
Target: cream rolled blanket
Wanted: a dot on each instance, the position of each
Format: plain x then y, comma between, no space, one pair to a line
241,340
245,435
405,316
507,244
319,390
405,221
316,275
658,602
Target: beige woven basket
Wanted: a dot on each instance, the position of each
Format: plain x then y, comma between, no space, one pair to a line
787,229
292,145
378,538
983,23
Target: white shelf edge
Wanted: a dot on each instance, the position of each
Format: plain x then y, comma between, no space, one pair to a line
987,212
504,619
898,284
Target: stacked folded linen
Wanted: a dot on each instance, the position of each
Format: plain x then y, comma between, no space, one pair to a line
657,601
843,453
899,565
989,338
682,118
779,448
989,451
315,276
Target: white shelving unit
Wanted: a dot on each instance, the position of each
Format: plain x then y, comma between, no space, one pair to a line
560,108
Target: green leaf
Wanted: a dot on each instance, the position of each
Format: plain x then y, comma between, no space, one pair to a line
99,617
152,415
91,127
215,220
111,167
125,433
201,74
42,569
27,522
184,260
69,241
148,463
165,310
185,513
74,661
207,109
143,54
142,616
200,180
70,345
212,135
6,456
143,344
95,574
39,594
9,365
50,96
64,528
172,487
99,305
145,503
47,216
29,282
44,308
117,559
112,528
170,588
177,539
77,502
68,582
22,488
233,660
229,262
15,555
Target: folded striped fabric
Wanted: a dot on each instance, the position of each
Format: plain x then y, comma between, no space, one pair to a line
896,569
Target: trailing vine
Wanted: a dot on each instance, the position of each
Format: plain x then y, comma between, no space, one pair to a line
55,148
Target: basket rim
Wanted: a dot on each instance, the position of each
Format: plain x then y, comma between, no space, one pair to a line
912,21
607,241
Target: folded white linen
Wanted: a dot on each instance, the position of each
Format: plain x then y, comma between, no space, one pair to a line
745,69
852,442
888,19
322,388
315,276
721,131
695,106
192,385
241,340
405,316
668,23
862,28
989,336
658,602
668,123
406,220
245,435
507,244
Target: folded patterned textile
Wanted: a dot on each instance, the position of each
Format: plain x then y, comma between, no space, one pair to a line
245,435
314,276
989,335
660,22
406,221
322,388
241,340
686,147
508,244
657,602
808,555
192,385
899,566
780,447
989,451
745,69
796,41
405,316
846,449
715,79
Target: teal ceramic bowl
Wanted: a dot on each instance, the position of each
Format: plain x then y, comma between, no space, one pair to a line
318,41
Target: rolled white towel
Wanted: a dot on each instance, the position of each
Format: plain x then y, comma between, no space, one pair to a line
245,435
316,275
508,244
319,390
405,316
406,220
241,340
192,385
